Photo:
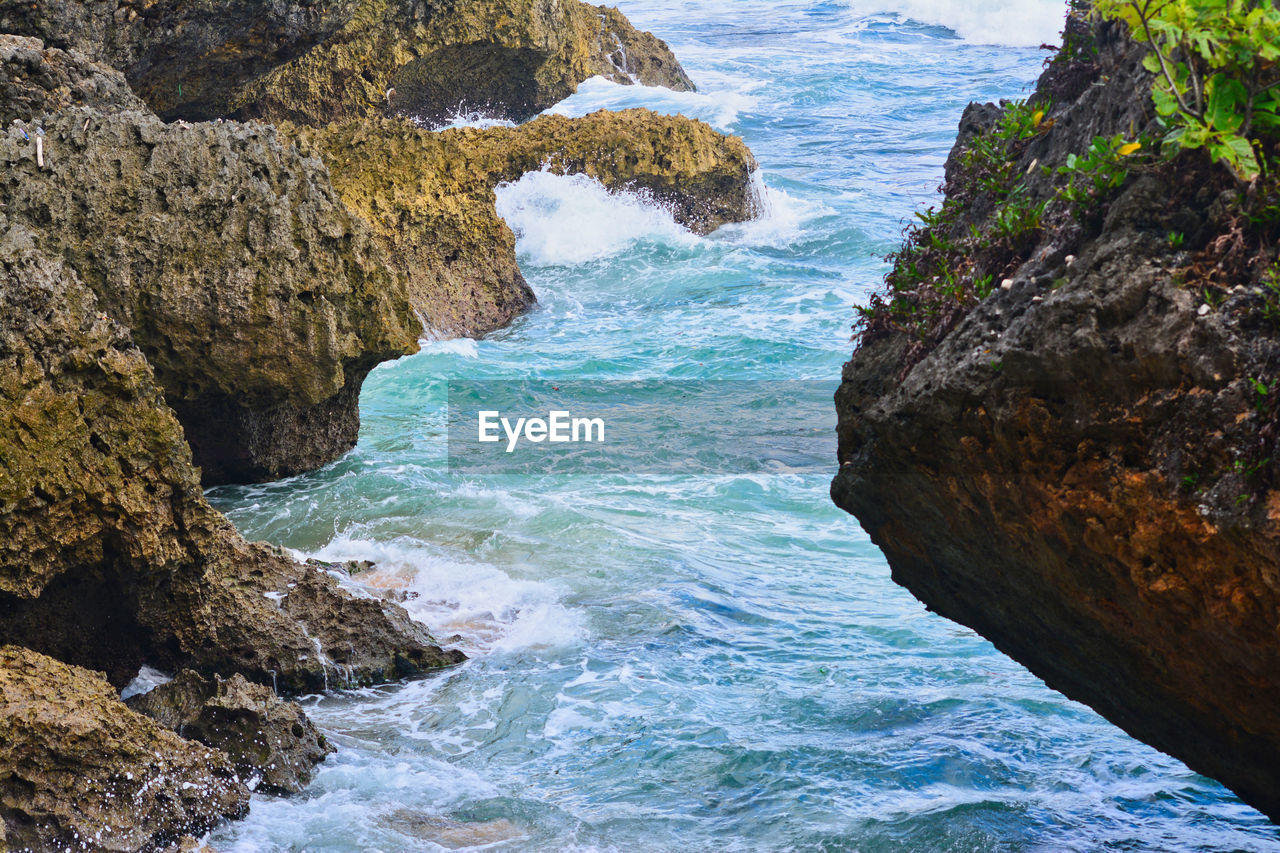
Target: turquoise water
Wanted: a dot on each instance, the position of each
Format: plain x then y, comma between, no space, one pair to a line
668,662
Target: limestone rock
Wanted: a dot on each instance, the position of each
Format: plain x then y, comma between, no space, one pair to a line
259,300
324,60
1082,468
79,770
184,57
110,557
267,739
510,59
35,81
429,197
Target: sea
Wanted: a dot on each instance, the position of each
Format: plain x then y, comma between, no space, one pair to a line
699,657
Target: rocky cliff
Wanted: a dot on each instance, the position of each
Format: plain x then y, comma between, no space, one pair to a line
260,296
80,771
429,197
315,62
1060,421
109,555
184,296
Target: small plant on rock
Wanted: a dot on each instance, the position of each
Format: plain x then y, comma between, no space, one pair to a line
1217,67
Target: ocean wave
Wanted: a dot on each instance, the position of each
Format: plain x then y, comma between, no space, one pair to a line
487,608
568,220
1012,23
718,105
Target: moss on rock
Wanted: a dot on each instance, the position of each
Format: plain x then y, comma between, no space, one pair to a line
429,197
79,770
109,554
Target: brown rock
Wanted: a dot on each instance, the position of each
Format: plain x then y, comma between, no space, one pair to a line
109,555
1082,467
271,742
259,300
80,770
429,196
325,60
35,81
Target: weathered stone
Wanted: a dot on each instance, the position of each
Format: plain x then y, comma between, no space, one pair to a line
429,197
271,742
184,57
35,81
1082,469
109,555
259,300
79,770
323,60
427,60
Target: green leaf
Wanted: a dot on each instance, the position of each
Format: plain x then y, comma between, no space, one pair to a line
1227,100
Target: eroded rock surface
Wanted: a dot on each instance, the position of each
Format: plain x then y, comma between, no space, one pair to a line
271,742
326,60
109,554
1082,466
35,81
260,301
429,197
79,770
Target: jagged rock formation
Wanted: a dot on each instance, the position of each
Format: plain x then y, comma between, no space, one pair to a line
35,81
260,301
272,744
109,554
429,196
325,60
80,771
201,295
260,297
1082,465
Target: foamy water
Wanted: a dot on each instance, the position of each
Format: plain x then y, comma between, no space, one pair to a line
1014,23
712,662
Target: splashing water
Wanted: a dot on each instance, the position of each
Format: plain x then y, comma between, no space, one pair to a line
667,662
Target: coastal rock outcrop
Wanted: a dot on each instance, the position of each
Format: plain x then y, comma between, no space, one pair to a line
259,300
271,742
35,81
110,557
80,771
326,60
429,196
1062,432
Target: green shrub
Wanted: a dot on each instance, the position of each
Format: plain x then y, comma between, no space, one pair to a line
1216,71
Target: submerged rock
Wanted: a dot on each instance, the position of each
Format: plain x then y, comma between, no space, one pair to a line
80,771
429,197
326,60
1082,466
271,742
109,554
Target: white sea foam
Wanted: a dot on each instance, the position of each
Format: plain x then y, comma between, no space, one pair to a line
568,220
778,220
719,106
1014,23
465,347
485,606
147,679
464,118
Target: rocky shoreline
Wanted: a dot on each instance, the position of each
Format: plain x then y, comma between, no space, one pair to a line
1060,421
195,298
